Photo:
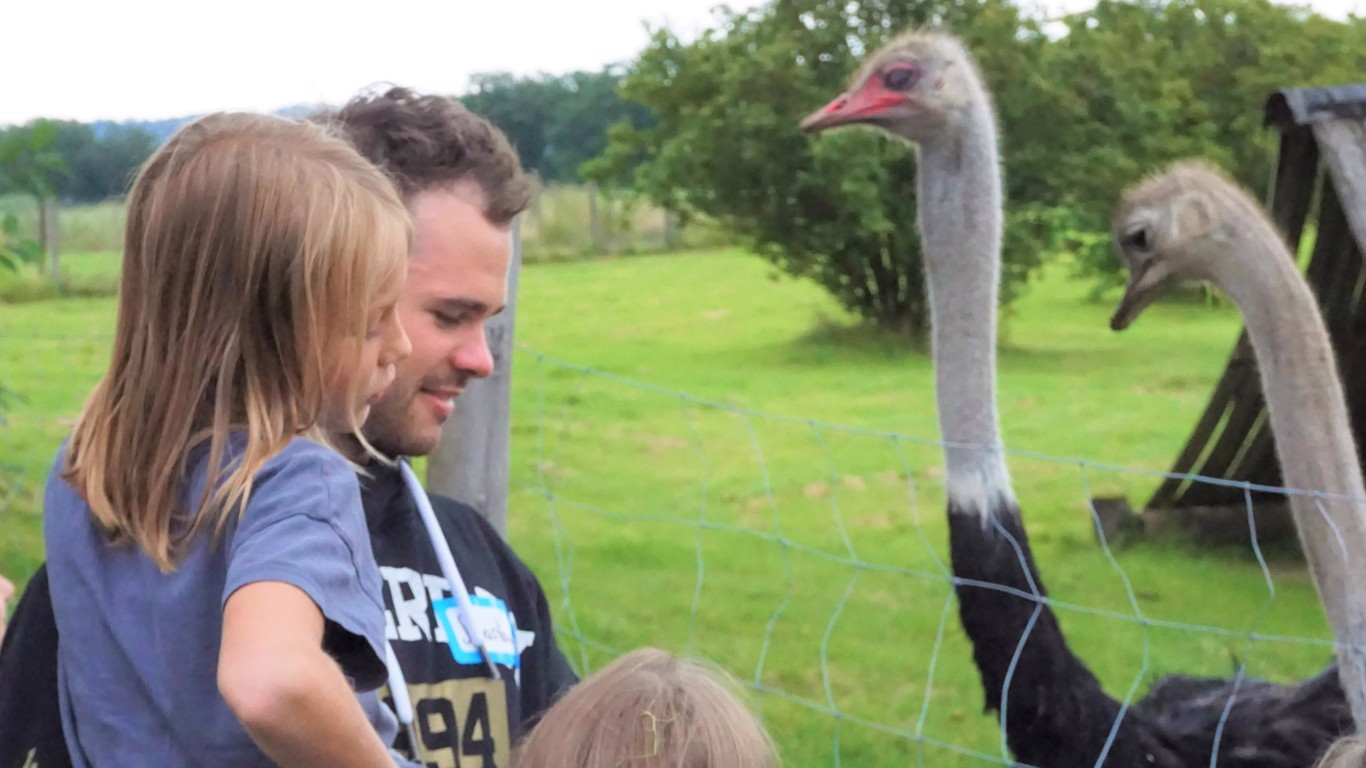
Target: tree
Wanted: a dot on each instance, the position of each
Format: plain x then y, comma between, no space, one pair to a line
96,165
15,249
101,168
1125,88
1141,84
556,122
840,209
30,166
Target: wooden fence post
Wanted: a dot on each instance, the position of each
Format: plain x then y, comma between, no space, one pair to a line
48,211
472,461
670,230
595,220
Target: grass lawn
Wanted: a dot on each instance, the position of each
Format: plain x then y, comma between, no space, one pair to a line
738,523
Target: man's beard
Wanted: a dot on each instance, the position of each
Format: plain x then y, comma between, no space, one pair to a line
389,427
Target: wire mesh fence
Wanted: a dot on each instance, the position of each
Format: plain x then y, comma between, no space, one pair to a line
808,559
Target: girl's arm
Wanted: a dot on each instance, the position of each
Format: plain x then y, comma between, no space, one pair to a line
291,697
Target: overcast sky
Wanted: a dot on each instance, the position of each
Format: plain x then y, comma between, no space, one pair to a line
152,59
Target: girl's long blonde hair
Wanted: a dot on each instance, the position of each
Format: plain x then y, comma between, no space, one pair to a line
649,709
254,249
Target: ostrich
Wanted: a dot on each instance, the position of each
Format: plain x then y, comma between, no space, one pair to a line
924,87
1193,222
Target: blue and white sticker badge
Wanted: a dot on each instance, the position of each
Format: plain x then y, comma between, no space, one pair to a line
496,625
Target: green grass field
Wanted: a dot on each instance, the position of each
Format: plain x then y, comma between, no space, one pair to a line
802,557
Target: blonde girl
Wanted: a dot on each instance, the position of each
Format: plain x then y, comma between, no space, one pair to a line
212,580
649,709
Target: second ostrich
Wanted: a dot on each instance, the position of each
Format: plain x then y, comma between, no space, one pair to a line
1193,222
924,87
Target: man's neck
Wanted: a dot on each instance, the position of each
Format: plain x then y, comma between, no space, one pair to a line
350,447
353,451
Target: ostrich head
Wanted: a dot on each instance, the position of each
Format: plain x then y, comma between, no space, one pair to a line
916,86
1169,228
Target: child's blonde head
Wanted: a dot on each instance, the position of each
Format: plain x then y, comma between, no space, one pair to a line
649,708
254,249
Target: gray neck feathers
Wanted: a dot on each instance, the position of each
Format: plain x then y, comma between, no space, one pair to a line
959,200
1309,418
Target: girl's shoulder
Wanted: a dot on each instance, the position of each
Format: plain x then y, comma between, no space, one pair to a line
306,460
305,481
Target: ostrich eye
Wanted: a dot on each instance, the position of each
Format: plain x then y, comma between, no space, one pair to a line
1136,239
900,78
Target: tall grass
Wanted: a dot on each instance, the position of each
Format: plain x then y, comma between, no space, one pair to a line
80,228
91,274
89,240
569,223
559,226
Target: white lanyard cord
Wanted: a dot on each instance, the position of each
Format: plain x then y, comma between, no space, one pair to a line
464,610
403,706
398,684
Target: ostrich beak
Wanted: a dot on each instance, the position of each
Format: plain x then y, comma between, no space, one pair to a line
857,105
1146,282
832,114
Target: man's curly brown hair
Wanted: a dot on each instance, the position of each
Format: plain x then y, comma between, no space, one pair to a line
428,142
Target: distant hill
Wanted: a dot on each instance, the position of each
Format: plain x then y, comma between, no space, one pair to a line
162,129
159,129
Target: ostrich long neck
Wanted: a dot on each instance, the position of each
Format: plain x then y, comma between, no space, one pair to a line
1053,708
959,201
1314,439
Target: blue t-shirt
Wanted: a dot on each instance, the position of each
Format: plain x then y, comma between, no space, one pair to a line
138,660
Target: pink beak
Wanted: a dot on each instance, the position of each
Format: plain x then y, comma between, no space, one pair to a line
852,106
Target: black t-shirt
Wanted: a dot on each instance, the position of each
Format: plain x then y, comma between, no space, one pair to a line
30,721
461,711
461,714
